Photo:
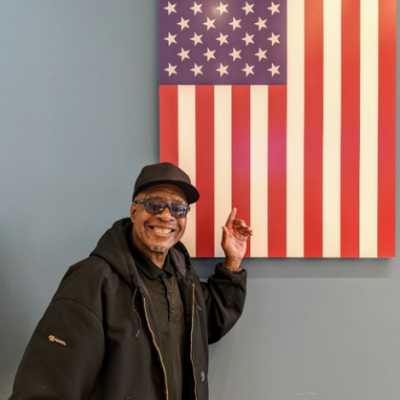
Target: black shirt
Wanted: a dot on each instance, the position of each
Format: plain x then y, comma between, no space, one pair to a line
166,298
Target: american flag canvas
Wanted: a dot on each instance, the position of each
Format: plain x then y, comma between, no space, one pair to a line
285,110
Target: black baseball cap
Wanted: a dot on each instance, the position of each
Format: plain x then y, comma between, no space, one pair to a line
165,172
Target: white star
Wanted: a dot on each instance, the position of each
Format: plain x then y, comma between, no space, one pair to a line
171,69
197,69
235,23
209,24
170,8
222,70
261,23
222,39
274,8
261,54
274,69
248,69
248,39
222,8
170,38
274,39
196,38
209,54
196,8
248,8
184,23
183,54
235,54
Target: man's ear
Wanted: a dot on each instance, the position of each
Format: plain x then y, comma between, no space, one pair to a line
133,212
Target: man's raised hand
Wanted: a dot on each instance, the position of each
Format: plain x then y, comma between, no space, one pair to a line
234,240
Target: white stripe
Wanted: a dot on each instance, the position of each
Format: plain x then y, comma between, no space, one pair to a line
187,153
259,170
369,128
223,161
331,128
295,129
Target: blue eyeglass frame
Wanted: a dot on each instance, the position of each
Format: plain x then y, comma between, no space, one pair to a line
163,206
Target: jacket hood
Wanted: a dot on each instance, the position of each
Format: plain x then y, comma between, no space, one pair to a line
114,249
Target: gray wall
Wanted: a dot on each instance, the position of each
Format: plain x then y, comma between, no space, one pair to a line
78,119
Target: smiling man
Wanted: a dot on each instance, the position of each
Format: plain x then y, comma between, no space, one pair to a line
156,229
133,321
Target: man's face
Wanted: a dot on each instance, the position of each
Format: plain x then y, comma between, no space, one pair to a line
153,234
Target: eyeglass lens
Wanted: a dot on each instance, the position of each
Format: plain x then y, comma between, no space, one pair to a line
157,207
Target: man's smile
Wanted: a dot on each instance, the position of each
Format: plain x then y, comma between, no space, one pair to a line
164,231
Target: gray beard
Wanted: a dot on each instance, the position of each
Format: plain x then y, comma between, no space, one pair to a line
159,249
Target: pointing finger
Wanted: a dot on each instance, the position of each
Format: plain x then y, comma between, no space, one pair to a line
231,218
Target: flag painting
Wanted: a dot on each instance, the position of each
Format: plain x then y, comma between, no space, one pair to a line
285,110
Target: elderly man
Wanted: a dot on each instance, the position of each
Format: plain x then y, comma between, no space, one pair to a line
133,321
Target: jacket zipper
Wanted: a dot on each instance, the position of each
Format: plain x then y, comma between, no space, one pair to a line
157,348
191,345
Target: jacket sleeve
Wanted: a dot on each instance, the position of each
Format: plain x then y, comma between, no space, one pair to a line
64,355
224,295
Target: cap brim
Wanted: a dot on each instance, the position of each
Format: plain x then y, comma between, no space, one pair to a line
191,193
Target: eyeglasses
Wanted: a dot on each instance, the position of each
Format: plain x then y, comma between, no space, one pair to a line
157,207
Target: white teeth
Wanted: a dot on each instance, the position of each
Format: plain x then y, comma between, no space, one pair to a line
164,231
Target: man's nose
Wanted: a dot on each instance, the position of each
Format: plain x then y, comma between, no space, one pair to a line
166,215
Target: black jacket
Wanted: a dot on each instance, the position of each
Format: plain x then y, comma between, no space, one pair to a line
99,337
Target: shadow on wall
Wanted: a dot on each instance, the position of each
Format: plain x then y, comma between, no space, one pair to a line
305,268
14,318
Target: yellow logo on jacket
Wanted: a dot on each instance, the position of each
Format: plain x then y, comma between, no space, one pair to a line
52,338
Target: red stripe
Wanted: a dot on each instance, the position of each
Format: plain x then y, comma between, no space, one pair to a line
169,123
205,171
241,152
387,128
350,126
277,171
313,128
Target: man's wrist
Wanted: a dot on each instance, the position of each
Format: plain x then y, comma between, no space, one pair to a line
233,267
